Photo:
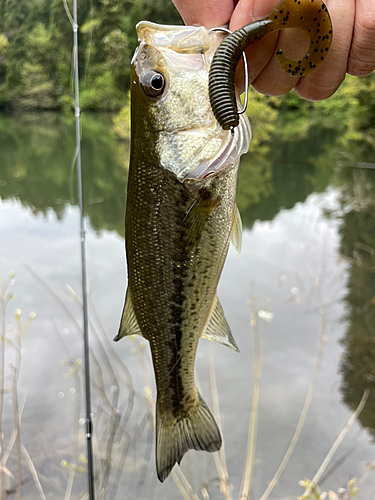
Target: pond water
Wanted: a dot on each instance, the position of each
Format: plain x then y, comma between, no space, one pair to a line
305,278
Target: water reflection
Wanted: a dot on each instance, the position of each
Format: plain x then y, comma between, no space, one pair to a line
357,232
37,153
291,254
283,175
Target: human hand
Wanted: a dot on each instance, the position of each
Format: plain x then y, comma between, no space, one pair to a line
352,50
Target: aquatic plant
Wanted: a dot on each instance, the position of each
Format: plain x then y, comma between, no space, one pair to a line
11,448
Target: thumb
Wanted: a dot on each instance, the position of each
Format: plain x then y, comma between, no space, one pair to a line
248,11
207,13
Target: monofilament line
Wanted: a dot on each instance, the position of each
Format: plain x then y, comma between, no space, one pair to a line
89,427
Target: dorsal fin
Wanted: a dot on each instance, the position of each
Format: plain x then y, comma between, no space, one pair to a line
129,324
217,328
237,231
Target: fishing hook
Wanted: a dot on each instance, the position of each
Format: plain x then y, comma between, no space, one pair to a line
246,71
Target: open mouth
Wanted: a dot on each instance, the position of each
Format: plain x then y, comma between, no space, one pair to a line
192,154
236,145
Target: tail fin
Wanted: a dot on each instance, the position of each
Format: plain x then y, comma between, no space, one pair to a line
194,429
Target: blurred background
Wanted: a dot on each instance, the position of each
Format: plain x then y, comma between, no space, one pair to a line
304,284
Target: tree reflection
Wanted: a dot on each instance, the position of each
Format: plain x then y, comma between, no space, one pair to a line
279,177
37,153
358,246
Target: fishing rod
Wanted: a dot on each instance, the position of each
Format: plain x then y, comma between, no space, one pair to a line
77,112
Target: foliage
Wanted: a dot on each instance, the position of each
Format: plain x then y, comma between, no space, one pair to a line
280,169
36,50
36,57
11,345
313,493
121,123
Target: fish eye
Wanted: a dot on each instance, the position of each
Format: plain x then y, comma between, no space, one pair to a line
153,83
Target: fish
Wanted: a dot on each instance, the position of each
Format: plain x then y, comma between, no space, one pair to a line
181,216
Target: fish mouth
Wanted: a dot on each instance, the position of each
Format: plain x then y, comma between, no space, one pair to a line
210,151
236,145
181,39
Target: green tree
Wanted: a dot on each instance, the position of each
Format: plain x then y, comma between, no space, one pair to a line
35,67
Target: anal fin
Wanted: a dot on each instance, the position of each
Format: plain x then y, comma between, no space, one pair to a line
129,324
217,328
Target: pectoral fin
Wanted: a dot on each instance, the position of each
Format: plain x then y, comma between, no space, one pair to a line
129,324
217,328
196,218
237,231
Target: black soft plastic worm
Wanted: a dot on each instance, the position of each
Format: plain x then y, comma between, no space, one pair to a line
309,15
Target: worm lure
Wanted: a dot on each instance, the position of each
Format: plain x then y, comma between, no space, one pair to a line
309,15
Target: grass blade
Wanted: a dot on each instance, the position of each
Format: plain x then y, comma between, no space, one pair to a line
314,483
253,421
33,473
302,418
219,458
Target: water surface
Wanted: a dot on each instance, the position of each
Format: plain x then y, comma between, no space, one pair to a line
307,267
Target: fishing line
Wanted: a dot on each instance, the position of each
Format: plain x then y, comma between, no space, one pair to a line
88,53
71,20
73,164
90,468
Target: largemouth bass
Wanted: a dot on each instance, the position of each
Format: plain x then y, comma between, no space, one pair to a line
180,218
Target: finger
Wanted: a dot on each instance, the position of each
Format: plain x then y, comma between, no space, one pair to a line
273,80
264,70
362,52
207,13
248,11
327,78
